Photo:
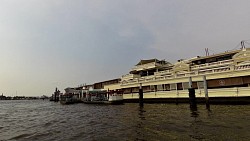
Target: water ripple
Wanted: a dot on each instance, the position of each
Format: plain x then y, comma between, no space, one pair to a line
46,121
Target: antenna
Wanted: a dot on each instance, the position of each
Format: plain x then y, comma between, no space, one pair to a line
242,44
207,52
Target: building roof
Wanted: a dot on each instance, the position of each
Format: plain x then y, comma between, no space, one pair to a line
215,55
142,62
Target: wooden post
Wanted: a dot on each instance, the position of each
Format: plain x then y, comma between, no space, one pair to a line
206,92
140,96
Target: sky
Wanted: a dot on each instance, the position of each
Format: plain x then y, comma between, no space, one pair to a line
46,44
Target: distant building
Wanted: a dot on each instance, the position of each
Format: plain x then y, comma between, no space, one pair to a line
2,97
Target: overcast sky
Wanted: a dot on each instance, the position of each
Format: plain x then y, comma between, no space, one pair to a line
63,43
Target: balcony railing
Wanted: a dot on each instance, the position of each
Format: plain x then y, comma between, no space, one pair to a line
130,76
163,72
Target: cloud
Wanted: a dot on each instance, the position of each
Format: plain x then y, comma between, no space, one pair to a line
49,41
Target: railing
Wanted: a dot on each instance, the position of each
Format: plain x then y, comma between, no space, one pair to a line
242,67
221,92
163,72
130,76
213,64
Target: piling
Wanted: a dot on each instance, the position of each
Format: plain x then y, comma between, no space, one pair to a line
206,92
108,94
140,96
192,98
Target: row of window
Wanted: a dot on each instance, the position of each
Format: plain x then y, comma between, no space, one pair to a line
165,87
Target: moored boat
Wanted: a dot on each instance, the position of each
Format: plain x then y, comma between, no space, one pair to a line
67,99
97,96
70,96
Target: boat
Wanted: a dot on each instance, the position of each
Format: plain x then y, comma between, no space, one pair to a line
98,96
55,96
66,99
71,96
227,77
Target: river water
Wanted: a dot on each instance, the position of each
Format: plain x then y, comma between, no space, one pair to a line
38,120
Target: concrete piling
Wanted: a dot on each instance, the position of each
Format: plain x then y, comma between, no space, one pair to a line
140,96
192,97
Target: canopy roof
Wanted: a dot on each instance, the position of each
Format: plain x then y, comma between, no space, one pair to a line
142,62
145,61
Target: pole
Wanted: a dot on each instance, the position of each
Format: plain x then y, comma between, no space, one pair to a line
140,96
206,92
